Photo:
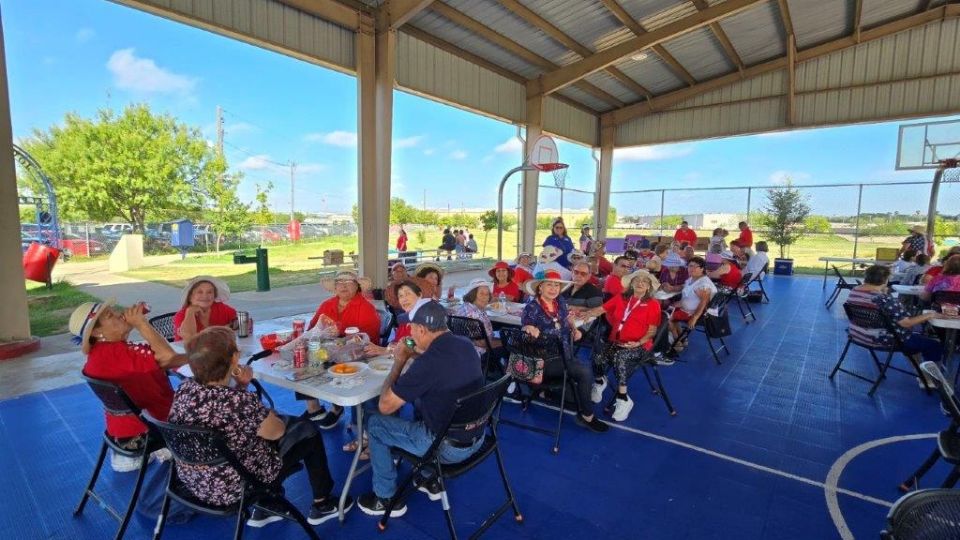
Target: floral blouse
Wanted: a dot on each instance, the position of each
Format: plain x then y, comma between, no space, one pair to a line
534,315
237,414
469,310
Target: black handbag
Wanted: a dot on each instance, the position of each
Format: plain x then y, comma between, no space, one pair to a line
717,326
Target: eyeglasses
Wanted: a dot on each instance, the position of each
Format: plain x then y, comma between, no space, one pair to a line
580,273
625,266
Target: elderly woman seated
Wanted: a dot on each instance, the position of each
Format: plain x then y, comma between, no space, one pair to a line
407,292
139,369
634,317
203,304
345,309
694,299
757,261
547,314
728,274
433,275
474,306
873,293
503,282
947,281
655,263
673,275
267,445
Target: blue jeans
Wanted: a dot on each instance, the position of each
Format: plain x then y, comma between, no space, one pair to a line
930,349
414,437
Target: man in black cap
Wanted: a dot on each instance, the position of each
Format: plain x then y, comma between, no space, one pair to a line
446,368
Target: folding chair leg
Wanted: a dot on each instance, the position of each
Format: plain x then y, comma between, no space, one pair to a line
93,479
563,405
646,375
914,480
162,518
916,367
743,312
399,495
447,512
144,461
242,517
663,391
298,517
713,350
506,486
763,291
883,373
724,345
833,297
876,361
952,478
840,361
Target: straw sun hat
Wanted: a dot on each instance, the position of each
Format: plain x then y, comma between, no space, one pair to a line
628,279
551,275
330,284
83,319
221,287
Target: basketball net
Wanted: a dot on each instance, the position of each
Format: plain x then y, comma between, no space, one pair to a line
545,157
559,171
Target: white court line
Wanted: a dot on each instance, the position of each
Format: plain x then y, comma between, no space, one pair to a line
833,477
756,466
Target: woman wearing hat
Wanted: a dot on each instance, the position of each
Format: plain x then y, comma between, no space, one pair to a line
503,282
345,309
433,275
269,446
547,314
728,274
474,306
585,239
102,332
917,241
634,317
203,304
561,240
673,273
523,270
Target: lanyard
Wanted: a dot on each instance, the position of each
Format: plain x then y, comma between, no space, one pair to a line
626,313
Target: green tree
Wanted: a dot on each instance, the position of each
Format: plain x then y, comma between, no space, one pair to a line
355,213
427,217
401,213
785,212
137,165
229,216
299,216
489,220
459,220
509,222
668,223
262,214
816,224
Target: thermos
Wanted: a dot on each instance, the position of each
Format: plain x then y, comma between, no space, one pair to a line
244,324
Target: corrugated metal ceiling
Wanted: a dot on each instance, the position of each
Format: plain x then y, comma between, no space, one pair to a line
701,54
757,33
820,21
881,11
652,73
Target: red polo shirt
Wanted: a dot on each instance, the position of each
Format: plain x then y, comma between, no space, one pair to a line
642,315
359,312
746,238
732,278
134,367
220,315
510,290
604,267
612,285
685,235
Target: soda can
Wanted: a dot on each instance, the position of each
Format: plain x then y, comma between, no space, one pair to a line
145,307
243,324
298,327
300,356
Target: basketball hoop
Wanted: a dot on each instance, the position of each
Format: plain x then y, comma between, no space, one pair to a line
544,156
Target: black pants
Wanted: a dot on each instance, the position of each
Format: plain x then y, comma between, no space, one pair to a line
577,374
301,443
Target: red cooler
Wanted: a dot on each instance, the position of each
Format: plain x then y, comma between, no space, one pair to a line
38,262
294,229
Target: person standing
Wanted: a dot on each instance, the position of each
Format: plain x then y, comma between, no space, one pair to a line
685,234
585,239
917,241
561,240
746,235
402,241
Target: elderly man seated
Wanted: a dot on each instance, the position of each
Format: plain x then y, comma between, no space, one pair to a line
446,367
583,294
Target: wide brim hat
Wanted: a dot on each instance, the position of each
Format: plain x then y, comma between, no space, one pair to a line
84,318
672,260
596,245
428,266
501,264
223,290
476,284
628,279
549,254
728,255
530,287
919,229
576,256
330,284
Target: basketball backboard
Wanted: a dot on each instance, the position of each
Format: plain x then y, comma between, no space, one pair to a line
924,145
546,158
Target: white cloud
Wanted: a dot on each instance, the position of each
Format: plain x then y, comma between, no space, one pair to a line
781,177
458,154
429,151
256,163
408,142
653,153
510,146
143,75
343,139
240,127
84,35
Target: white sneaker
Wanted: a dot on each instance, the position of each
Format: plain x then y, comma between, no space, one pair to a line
622,408
596,392
161,455
123,463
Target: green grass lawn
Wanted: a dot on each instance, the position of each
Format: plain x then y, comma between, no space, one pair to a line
50,309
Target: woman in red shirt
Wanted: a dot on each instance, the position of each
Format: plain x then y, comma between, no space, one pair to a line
139,369
503,282
203,304
728,274
346,308
634,317
402,241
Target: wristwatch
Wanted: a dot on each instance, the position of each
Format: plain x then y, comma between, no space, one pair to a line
410,343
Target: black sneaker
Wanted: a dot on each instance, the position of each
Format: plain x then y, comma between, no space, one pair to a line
328,509
372,505
430,486
330,419
264,515
316,416
595,425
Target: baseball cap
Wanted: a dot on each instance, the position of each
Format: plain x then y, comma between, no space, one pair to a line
429,313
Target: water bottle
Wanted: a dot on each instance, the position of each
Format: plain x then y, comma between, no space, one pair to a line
502,299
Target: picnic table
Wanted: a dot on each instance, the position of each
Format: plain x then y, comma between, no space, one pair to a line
852,260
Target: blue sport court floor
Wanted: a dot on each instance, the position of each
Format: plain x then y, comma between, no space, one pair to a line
764,446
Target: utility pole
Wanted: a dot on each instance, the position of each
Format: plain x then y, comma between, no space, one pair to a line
220,130
293,168
424,200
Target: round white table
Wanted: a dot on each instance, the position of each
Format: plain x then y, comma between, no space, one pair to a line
950,327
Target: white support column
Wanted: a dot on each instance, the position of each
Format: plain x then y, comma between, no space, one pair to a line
376,55
14,317
601,201
531,179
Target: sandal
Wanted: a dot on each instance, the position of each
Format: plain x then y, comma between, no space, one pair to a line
351,447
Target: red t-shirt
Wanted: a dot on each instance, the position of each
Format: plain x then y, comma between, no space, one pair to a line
934,271
685,235
359,312
613,286
134,367
642,315
510,290
732,278
220,315
402,242
521,275
746,238
604,267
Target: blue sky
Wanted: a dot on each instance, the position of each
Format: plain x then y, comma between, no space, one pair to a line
81,55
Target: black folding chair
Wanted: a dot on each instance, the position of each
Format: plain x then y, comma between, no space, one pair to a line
714,323
745,310
660,349
758,279
948,440
842,285
387,324
551,349
475,415
163,324
206,447
871,318
117,402
473,330
924,515
945,297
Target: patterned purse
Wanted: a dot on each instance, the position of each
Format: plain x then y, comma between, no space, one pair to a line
525,368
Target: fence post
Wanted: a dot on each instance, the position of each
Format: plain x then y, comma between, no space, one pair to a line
662,195
749,192
856,230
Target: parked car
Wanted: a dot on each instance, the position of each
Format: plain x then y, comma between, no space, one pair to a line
78,246
116,229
